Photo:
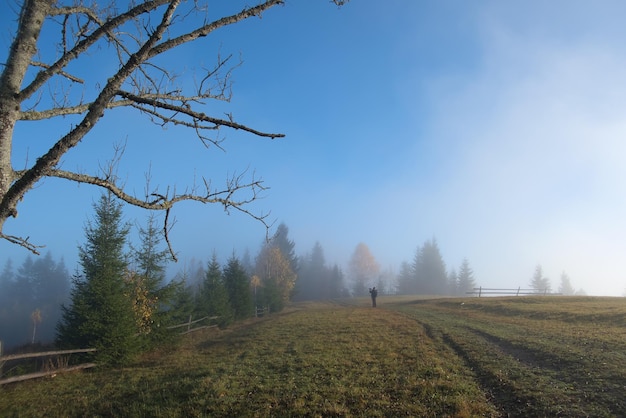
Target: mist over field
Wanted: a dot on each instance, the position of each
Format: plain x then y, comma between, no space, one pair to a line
495,129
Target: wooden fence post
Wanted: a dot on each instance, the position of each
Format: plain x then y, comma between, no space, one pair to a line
480,291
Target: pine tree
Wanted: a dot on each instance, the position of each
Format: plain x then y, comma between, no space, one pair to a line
213,297
539,283
153,298
314,277
430,270
466,278
100,314
286,246
237,286
453,283
405,280
566,288
337,288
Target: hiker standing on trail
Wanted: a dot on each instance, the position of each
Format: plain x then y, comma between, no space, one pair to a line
373,293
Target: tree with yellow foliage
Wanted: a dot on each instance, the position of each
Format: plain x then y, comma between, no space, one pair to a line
277,277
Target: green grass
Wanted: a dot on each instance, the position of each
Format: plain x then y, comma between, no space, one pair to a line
539,356
429,358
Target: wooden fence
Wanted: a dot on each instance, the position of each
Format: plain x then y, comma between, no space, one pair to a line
189,323
261,311
59,365
480,291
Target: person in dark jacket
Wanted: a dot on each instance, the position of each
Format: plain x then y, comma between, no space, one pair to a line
373,294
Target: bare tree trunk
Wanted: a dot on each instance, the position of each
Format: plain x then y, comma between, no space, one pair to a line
20,56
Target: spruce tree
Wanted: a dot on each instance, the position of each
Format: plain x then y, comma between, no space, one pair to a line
237,286
213,297
539,283
152,309
466,278
430,269
286,246
566,288
100,313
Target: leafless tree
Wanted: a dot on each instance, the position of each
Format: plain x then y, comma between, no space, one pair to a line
37,85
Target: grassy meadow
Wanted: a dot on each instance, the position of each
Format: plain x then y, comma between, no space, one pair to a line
516,356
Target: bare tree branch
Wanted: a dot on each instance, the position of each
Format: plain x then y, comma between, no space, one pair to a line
133,38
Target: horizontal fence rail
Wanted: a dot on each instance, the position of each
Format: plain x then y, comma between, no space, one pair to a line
43,373
189,323
480,291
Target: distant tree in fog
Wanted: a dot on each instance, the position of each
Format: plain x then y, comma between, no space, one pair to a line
539,283
453,283
313,276
213,297
406,283
565,287
465,279
246,262
281,240
277,277
385,284
39,285
363,270
337,285
430,270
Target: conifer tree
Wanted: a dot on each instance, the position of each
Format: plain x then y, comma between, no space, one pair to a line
286,246
566,288
237,285
466,280
539,283
154,297
213,297
453,283
100,313
430,269
406,283
337,285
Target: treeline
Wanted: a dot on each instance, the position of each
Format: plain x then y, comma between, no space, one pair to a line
31,298
427,274
119,301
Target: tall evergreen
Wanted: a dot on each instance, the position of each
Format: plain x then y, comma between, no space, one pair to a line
286,246
406,283
337,287
100,314
466,278
213,297
314,277
539,283
430,269
237,285
453,283
565,287
153,308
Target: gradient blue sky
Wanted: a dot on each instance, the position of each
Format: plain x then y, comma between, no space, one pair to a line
497,128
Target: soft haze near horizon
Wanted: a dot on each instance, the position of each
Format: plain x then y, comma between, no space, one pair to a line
496,128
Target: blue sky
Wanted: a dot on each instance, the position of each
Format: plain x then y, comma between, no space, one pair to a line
495,127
